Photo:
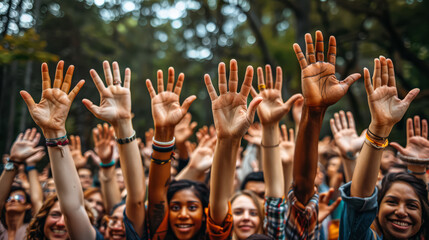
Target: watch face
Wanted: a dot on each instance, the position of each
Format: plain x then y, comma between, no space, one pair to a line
9,166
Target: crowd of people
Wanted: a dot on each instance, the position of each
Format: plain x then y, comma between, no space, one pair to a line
285,184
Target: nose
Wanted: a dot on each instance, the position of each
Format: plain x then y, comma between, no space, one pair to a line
61,221
400,211
246,215
183,213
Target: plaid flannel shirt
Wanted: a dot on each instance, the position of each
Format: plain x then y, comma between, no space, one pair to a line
292,220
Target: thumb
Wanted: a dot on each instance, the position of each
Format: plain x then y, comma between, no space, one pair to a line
351,79
411,95
28,99
252,108
398,147
94,109
288,104
187,103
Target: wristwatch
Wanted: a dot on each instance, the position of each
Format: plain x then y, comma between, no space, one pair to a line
9,166
350,155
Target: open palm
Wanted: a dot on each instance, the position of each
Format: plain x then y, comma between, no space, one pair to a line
115,100
320,87
417,140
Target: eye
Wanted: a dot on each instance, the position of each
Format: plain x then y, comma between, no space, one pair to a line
391,202
413,206
193,207
55,214
253,213
175,208
237,212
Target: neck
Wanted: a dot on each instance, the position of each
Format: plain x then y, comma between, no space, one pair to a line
14,220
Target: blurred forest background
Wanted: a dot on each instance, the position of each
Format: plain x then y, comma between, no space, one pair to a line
193,37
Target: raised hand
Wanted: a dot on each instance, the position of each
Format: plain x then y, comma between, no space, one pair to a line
254,135
324,208
320,87
184,129
166,109
385,106
202,156
345,135
287,145
230,113
104,142
76,152
51,112
272,107
417,140
115,100
25,146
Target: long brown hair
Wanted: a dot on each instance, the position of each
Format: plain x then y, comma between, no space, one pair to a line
37,224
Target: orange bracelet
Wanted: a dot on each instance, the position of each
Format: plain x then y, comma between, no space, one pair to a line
376,144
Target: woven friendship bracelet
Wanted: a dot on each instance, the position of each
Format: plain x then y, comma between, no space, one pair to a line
127,139
416,173
57,143
413,160
56,139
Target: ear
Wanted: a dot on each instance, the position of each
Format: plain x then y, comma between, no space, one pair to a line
28,206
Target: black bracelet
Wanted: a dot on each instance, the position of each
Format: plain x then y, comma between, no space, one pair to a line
273,146
127,139
416,173
163,149
159,161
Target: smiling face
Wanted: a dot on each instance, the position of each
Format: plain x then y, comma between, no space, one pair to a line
245,217
115,225
55,228
186,214
95,201
400,213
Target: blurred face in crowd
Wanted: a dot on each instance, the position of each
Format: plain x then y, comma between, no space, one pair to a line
400,212
55,228
85,177
49,188
17,202
334,164
186,214
115,224
95,202
388,158
257,187
245,217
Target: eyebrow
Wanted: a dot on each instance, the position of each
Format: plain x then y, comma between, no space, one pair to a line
178,202
408,199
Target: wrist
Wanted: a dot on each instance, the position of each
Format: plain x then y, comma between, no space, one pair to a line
123,128
270,135
54,133
164,134
380,130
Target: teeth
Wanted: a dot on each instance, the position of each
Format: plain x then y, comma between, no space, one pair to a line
400,223
184,226
56,231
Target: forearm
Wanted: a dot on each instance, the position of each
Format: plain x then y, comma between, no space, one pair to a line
306,153
287,176
349,167
272,164
222,177
109,188
183,152
417,171
6,180
191,174
36,192
368,165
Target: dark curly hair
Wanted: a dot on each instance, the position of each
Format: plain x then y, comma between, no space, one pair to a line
37,224
201,192
419,188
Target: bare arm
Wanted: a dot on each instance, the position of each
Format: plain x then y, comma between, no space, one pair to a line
320,89
115,108
270,111
166,113
232,119
386,110
36,192
287,149
55,104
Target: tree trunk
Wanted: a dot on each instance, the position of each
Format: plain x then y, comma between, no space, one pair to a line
11,120
27,79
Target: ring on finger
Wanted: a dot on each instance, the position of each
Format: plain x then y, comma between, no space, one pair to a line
117,82
261,87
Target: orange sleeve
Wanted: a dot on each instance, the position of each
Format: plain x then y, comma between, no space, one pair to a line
216,232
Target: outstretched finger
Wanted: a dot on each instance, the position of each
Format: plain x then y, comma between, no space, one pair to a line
367,80
333,127
116,73
392,82
335,204
46,80
67,80
76,90
150,89
187,103
59,74
253,92
300,56
279,78
27,134
417,130
247,84
410,96
170,81
28,100
127,79
284,132
269,76
261,80
384,71
332,50
179,84
398,147
160,81
107,73
350,80
289,103
94,109
97,81
72,142
78,146
319,47
36,139
351,120
32,134
409,129
291,135
210,88
337,121
425,128
309,52
252,108
223,89
95,136
376,77
343,119
233,76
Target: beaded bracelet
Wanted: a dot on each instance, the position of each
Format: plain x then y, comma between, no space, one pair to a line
413,160
107,165
127,139
416,173
160,162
